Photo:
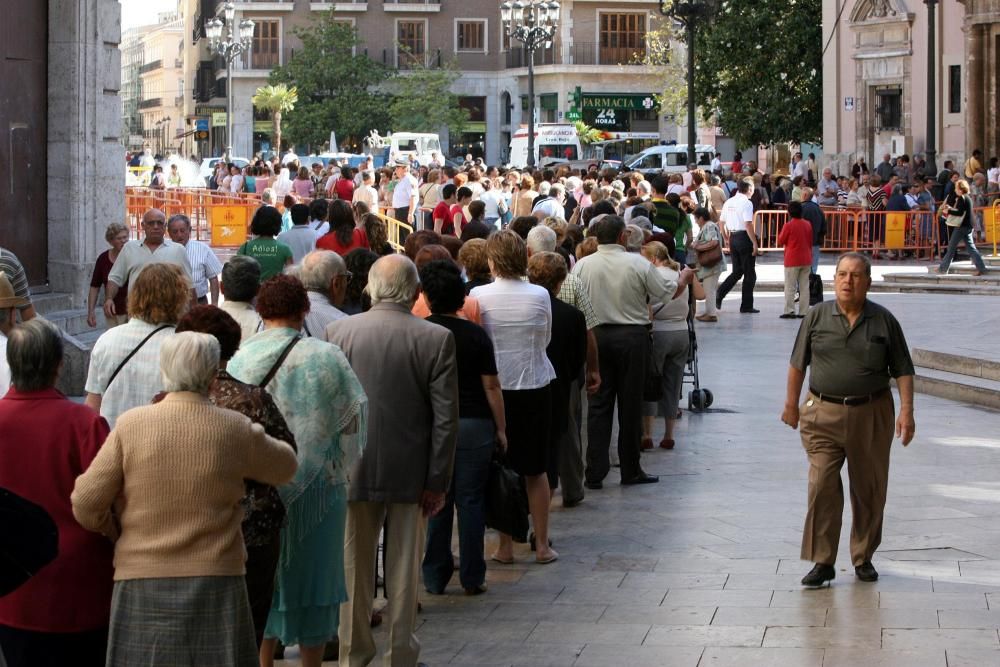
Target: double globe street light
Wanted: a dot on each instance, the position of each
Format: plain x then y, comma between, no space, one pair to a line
230,48
533,23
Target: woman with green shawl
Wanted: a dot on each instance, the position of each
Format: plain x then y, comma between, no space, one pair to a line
325,407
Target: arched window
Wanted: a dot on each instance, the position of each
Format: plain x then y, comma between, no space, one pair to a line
507,107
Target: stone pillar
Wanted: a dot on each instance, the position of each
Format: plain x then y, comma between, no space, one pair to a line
975,86
86,173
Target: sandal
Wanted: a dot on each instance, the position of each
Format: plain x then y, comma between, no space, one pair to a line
666,443
496,559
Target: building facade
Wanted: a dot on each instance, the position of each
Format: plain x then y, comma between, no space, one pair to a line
875,72
162,84
598,48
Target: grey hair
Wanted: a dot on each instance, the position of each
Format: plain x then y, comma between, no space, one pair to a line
113,230
544,187
635,238
859,257
557,189
267,196
319,268
644,186
393,279
189,361
241,278
179,216
541,239
34,353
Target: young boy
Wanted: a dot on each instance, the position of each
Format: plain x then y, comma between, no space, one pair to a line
796,238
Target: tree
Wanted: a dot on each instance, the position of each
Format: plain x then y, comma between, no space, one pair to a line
664,55
422,100
758,69
338,89
277,100
588,135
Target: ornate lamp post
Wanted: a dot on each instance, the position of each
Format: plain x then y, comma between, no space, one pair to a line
230,48
691,13
930,159
533,23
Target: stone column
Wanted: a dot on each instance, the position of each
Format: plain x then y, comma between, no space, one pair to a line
86,173
975,86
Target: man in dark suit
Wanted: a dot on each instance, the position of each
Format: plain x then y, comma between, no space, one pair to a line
408,370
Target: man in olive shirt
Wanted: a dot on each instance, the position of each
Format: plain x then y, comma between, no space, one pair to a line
854,347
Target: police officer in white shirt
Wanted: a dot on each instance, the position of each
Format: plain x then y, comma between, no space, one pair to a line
737,227
405,196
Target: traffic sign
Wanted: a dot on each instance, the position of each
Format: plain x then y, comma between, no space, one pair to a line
201,124
573,115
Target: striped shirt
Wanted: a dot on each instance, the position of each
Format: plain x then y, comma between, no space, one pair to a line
204,265
11,266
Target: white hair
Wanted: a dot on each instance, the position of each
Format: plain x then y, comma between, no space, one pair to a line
319,268
541,239
189,361
267,196
394,279
544,187
644,186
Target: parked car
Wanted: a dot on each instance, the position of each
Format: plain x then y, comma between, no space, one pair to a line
208,166
670,159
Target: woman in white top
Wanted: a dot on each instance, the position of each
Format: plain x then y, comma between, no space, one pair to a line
493,199
518,318
671,342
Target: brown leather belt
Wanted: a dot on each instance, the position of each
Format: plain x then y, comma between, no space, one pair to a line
848,400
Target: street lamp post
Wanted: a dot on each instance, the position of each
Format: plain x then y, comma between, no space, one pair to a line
930,158
690,13
230,48
533,23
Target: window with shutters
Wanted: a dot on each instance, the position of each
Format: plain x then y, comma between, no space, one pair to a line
411,41
265,50
470,35
622,38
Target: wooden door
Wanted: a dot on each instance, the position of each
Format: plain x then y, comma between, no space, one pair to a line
23,142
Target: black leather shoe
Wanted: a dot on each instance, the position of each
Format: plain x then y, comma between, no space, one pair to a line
641,478
572,502
819,575
749,310
593,485
331,652
787,316
866,571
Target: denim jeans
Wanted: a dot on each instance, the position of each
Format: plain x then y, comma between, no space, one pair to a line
468,493
957,235
815,264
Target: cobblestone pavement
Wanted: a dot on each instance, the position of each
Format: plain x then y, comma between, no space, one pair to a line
702,569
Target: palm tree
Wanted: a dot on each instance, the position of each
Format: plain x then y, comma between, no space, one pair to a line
588,135
277,100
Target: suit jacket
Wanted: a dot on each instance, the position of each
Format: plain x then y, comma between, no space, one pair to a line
408,369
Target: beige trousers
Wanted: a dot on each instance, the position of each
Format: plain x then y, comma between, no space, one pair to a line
861,435
404,544
797,277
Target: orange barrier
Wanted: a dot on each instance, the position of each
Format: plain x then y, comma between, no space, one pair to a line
860,230
219,218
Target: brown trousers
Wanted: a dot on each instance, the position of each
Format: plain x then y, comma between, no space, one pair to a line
862,435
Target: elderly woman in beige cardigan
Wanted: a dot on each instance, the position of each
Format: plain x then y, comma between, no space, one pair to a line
166,486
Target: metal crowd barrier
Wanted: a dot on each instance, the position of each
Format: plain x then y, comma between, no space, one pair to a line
396,231
218,218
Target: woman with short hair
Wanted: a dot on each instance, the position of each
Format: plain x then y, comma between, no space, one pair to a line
518,318
322,400
116,235
60,615
272,255
125,360
263,511
482,426
473,259
179,594
303,185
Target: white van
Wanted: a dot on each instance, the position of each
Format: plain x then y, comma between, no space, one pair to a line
419,146
553,142
669,159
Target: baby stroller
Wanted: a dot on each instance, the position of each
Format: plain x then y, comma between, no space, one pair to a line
699,399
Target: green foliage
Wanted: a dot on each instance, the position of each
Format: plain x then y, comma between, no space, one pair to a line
758,67
588,135
338,90
278,100
663,54
422,100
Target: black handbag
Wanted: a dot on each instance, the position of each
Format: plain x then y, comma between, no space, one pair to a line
507,502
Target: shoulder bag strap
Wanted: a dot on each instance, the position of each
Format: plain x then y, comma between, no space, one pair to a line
281,359
133,352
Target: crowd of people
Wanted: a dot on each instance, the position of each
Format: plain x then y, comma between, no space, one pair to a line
252,431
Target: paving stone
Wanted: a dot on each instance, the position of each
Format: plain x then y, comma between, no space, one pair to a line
723,598
939,639
718,656
673,581
604,633
662,615
841,657
949,618
791,616
603,655
903,600
844,637
705,635
528,611
962,657
882,618
835,596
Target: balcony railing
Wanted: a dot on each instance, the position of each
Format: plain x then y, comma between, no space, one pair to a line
150,66
151,103
577,53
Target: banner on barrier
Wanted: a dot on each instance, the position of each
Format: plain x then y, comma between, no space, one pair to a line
895,230
228,225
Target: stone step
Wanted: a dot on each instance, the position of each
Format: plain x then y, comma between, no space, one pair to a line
955,363
48,302
965,268
74,321
990,278
957,387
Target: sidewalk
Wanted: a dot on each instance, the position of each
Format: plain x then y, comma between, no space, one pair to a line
703,568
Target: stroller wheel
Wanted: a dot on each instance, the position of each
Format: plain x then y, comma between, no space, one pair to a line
708,397
696,400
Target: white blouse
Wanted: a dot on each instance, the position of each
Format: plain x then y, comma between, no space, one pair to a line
518,318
